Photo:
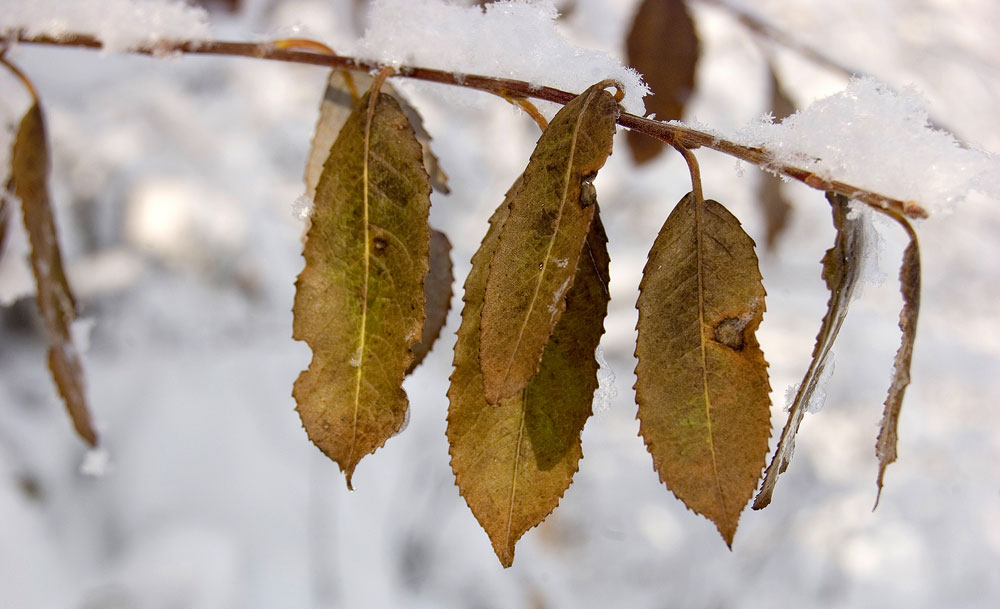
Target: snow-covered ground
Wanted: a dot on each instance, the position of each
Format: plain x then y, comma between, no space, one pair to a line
174,181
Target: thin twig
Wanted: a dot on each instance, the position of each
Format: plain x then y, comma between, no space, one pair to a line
672,134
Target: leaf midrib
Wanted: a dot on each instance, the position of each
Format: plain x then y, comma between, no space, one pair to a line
552,240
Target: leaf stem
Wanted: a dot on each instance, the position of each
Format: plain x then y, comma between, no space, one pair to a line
671,133
692,163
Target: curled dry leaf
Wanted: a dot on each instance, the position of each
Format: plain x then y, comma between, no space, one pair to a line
514,461
359,300
437,294
539,245
841,272
909,280
702,383
342,93
29,177
663,46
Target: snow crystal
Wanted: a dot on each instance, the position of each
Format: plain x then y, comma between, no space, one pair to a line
120,24
876,138
606,390
96,463
818,398
355,360
302,207
507,39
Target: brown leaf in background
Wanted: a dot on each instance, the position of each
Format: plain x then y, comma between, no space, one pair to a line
514,461
359,300
437,294
29,176
774,204
4,218
663,46
701,378
343,89
909,279
535,260
841,272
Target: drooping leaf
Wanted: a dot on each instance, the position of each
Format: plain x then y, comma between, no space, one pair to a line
841,271
514,461
539,246
774,203
663,46
342,92
29,177
702,383
909,280
437,294
359,301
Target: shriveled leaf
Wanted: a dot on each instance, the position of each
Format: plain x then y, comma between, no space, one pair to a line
437,294
29,176
702,383
909,279
774,204
514,461
342,92
359,301
539,246
841,271
663,46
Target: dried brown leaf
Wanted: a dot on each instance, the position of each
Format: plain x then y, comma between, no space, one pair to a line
343,89
437,294
29,176
514,461
841,271
359,301
702,384
663,46
539,246
909,279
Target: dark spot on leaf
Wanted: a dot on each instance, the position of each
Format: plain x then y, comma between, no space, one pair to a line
380,245
729,332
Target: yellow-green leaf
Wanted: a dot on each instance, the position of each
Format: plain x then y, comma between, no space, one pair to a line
909,280
841,271
29,177
535,261
339,99
513,461
663,46
437,294
359,301
702,384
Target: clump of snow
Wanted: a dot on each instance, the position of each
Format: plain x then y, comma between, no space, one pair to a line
120,25
96,463
302,207
818,397
507,39
876,138
606,390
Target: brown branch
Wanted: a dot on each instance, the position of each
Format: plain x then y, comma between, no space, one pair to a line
672,134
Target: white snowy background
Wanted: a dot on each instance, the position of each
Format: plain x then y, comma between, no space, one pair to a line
174,181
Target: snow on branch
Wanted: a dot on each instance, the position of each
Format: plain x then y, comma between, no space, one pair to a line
121,25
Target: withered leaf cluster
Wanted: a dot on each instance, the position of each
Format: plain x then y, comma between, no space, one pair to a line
376,288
